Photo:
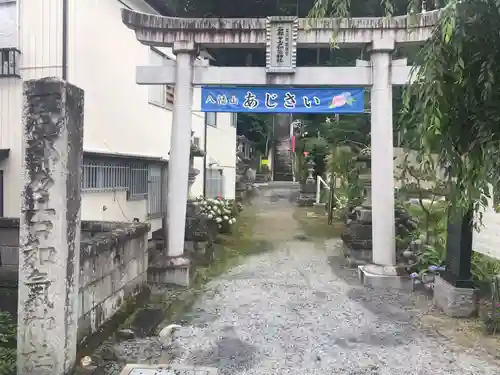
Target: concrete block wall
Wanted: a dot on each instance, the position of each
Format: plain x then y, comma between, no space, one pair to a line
113,270
113,267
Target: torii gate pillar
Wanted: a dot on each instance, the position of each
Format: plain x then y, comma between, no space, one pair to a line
382,152
180,144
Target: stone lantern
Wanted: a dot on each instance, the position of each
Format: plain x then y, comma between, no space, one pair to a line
357,234
307,195
196,152
364,163
242,166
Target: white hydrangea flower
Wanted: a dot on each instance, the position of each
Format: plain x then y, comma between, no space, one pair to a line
210,216
225,218
218,220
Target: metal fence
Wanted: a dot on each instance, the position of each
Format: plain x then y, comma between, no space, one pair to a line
214,186
154,192
101,176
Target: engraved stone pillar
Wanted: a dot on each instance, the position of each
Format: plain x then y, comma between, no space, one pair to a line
49,228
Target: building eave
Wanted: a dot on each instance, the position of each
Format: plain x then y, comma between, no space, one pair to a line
4,153
163,7
122,156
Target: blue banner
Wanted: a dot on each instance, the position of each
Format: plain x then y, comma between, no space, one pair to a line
282,100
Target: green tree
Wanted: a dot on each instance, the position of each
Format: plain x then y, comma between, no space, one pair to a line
257,128
454,104
246,9
452,108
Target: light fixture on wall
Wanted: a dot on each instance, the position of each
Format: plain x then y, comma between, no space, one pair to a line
10,62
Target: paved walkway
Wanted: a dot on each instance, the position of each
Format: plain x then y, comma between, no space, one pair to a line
296,310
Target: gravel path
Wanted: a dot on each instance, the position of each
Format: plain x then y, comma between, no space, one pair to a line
296,310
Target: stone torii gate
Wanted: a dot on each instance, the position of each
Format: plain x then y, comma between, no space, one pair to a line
187,36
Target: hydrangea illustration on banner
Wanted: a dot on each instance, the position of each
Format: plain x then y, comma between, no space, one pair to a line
342,99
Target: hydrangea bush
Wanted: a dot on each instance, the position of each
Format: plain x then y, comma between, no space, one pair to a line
222,211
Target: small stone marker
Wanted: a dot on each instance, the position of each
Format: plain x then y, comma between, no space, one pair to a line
168,370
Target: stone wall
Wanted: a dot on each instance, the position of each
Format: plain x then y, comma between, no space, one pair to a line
113,267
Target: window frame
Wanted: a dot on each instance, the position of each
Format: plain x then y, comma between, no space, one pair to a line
104,175
234,119
167,91
214,125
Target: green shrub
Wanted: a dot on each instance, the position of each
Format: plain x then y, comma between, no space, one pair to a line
7,344
432,226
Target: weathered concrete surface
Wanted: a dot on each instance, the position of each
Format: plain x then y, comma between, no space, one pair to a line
456,302
164,31
113,268
298,311
49,229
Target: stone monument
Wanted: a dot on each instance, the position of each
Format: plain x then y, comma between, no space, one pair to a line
357,234
243,182
49,231
307,195
358,230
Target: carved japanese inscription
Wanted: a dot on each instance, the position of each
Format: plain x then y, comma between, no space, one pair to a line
49,228
37,239
39,325
281,45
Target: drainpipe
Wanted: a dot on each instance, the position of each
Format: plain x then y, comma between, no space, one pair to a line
205,131
64,73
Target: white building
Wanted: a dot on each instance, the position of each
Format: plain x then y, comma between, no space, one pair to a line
127,127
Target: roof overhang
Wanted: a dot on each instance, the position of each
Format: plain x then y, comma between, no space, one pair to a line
4,153
163,7
113,155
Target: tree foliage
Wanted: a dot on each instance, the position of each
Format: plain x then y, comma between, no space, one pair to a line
257,128
359,8
452,108
246,9
454,103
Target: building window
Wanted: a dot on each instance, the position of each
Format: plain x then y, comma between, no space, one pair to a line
156,184
211,118
101,176
8,24
234,119
161,95
214,183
